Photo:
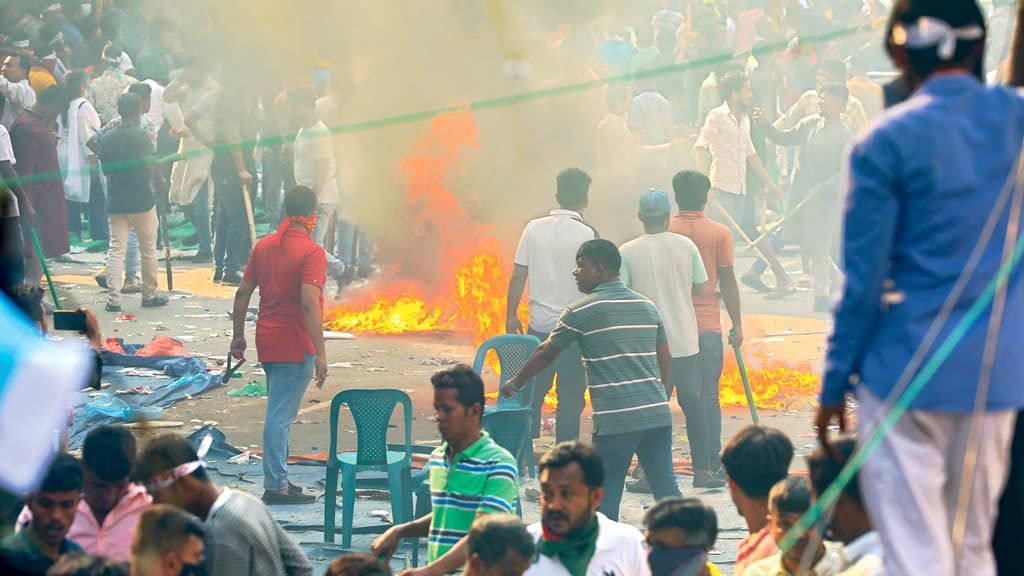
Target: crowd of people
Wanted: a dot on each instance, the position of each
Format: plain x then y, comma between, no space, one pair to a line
91,99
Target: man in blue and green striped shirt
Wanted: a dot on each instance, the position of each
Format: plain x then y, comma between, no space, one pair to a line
626,358
469,475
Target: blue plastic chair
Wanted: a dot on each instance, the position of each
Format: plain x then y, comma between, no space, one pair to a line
510,429
371,410
513,351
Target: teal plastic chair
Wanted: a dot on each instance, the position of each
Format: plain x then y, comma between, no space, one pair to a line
371,410
513,351
510,429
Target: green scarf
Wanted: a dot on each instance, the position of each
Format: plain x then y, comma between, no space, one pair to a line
575,552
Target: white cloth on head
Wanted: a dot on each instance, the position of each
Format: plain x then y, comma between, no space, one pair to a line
927,32
914,485
547,248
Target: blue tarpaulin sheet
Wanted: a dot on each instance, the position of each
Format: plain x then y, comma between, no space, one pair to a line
179,376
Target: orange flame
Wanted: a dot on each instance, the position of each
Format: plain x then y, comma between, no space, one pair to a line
452,276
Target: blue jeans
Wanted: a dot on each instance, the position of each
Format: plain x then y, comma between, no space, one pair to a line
695,379
653,448
286,384
233,243
572,382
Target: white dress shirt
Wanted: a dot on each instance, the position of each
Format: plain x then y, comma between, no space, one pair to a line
547,249
727,138
862,557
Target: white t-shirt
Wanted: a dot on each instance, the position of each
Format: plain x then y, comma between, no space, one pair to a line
155,116
619,551
664,267
548,250
10,206
312,144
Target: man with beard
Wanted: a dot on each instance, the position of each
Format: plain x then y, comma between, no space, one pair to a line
111,504
573,538
53,506
469,476
723,151
626,358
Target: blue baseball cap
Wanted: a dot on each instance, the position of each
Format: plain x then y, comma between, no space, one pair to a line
654,204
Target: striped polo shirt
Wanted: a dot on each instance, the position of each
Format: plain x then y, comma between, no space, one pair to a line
483,479
618,332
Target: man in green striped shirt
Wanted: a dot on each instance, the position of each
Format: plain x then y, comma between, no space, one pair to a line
469,475
626,358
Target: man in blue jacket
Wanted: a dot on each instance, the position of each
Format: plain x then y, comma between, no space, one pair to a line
926,182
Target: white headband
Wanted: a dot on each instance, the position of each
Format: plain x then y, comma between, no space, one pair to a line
930,32
165,479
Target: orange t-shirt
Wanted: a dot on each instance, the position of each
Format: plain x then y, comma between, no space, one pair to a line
714,241
757,546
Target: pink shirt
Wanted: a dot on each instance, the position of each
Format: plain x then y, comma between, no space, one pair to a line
113,540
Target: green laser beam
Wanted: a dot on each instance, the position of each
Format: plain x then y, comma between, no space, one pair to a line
476,106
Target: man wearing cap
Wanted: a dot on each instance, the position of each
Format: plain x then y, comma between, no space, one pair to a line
240,535
667,268
931,215
626,358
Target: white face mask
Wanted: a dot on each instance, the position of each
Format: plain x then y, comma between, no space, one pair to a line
86,9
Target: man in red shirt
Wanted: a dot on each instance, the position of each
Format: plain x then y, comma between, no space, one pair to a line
700,401
290,270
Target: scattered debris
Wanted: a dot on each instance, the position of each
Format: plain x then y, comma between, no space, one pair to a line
251,389
376,369
384,515
126,317
332,335
438,361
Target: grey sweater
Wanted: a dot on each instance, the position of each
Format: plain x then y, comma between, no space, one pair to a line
242,538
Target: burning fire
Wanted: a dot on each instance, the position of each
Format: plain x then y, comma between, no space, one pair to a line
455,279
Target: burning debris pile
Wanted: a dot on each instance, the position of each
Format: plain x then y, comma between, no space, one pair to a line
451,277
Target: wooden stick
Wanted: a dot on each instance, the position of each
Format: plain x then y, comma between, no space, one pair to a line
248,215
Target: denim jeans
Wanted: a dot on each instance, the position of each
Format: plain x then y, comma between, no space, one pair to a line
349,235
695,379
286,384
323,221
199,215
572,382
233,243
653,448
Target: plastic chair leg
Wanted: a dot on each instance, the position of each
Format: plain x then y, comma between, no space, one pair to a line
330,503
348,503
397,487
